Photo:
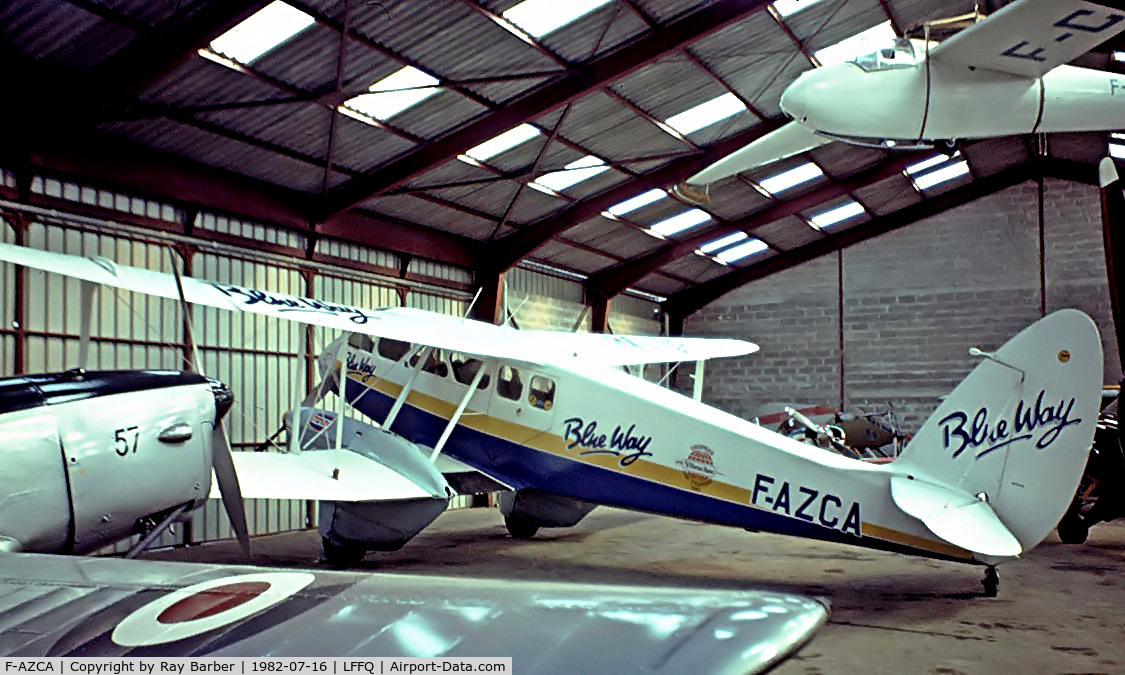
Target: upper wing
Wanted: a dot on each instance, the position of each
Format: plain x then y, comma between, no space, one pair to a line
400,323
1030,37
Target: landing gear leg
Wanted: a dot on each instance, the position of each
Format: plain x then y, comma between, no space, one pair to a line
991,581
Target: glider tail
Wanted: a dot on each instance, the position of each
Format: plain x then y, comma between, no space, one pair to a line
995,467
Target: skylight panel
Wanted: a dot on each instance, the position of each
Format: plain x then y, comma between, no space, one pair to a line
928,180
786,7
505,141
681,222
861,43
634,203
914,169
791,178
1117,151
705,114
572,174
826,219
752,247
723,242
394,93
539,17
262,31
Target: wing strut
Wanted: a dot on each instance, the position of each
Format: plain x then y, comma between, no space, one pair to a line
487,365
406,389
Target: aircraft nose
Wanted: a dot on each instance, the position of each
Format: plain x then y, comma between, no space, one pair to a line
794,100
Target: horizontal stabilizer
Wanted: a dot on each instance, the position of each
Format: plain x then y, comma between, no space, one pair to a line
309,475
955,516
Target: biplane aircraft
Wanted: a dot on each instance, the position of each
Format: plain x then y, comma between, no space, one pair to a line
555,418
1001,75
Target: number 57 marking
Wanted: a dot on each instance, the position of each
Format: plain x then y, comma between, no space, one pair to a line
122,438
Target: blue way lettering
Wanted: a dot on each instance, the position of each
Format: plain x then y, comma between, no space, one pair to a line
252,296
622,443
983,435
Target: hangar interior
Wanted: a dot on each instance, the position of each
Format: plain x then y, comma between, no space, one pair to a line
428,153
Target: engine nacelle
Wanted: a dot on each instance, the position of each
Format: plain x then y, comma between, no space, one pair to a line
88,456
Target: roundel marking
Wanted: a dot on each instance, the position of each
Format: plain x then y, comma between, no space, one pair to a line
205,606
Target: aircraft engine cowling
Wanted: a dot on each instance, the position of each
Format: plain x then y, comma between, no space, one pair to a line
91,457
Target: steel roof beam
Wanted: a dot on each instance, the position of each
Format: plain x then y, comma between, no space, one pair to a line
582,80
114,163
691,300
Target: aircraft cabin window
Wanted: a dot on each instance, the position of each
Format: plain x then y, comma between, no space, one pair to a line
435,363
362,342
508,383
901,55
465,369
541,393
393,350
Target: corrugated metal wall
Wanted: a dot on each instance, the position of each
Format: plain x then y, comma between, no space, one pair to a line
545,301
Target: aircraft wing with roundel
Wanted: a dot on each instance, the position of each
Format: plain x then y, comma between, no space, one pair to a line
1030,37
399,323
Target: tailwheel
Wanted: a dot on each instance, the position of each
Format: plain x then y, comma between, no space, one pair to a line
520,527
341,555
991,582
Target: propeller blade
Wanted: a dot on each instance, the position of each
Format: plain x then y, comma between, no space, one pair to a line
223,464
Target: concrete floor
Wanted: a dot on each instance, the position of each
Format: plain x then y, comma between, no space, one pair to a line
1060,609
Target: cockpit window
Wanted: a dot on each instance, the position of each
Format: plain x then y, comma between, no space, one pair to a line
435,363
465,369
901,55
392,350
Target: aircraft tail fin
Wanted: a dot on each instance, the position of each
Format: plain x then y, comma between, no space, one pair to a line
997,464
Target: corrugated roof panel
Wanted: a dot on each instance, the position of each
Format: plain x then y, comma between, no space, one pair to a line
491,199
451,40
453,171
668,86
841,159
599,183
198,81
610,130
911,13
660,285
207,148
302,126
732,199
754,57
826,23
887,196
362,147
596,33
616,240
437,115
306,61
663,10
716,132
433,215
534,206
558,253
522,156
988,157
696,268
1087,147
62,34
153,13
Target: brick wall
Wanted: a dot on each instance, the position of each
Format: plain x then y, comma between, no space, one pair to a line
912,302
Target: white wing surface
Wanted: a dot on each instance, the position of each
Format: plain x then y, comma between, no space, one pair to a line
785,141
308,475
400,323
1030,37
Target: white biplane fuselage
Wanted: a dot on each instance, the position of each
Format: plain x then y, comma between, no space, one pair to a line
604,436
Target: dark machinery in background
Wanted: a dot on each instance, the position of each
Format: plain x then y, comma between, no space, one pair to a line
1101,492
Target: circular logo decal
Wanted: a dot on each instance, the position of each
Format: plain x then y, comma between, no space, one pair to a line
205,606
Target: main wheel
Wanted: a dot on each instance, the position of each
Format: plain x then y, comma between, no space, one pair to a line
1073,529
341,555
520,527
